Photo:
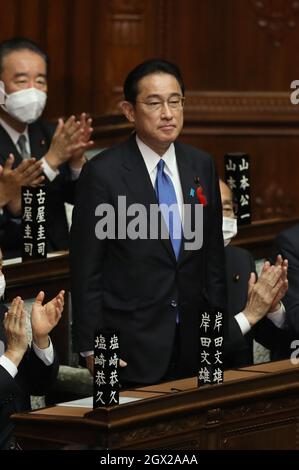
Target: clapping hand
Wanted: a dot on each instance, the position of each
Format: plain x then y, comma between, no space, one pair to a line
284,286
45,317
70,140
15,331
28,173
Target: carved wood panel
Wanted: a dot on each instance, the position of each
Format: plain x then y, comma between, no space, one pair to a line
238,60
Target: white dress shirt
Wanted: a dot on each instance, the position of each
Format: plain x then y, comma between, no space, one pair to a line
151,160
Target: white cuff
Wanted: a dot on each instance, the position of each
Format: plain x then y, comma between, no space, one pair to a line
86,353
243,323
278,317
8,365
46,355
1,210
75,173
49,172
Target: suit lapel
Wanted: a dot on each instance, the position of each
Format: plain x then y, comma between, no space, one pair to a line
187,174
140,186
38,142
7,147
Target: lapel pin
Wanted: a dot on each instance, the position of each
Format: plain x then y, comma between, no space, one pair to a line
200,196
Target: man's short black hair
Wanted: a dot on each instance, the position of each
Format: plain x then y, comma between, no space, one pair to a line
20,44
149,67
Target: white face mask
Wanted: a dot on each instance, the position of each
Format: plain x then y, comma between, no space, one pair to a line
229,229
25,105
2,285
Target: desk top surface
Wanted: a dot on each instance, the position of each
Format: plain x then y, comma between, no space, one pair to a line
167,389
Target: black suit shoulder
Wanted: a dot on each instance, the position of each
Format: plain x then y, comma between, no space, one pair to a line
119,153
287,241
240,255
193,152
112,156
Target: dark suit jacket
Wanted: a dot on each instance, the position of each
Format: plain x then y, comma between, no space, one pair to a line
239,265
33,378
287,244
239,352
137,286
60,190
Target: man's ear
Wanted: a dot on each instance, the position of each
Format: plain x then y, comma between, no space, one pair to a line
128,110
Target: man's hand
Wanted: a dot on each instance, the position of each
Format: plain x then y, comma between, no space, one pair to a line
69,142
45,317
90,363
15,331
28,173
83,143
284,287
263,292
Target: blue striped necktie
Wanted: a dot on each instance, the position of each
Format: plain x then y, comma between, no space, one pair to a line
166,197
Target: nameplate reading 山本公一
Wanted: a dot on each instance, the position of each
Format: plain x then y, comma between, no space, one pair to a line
106,364
238,179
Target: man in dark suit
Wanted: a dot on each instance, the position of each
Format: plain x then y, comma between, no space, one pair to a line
287,244
25,370
58,154
239,266
144,286
254,306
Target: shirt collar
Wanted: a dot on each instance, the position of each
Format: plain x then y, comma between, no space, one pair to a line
151,158
13,134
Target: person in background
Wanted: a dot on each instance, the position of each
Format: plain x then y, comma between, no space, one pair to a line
254,304
57,154
25,369
287,243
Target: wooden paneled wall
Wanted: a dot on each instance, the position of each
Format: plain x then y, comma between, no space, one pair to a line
238,58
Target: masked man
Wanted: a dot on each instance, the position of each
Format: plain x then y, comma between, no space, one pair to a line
58,155
255,306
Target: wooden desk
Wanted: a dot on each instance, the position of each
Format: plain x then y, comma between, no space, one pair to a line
50,275
255,408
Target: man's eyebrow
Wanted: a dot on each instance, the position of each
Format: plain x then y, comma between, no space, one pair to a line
20,74
153,95
25,74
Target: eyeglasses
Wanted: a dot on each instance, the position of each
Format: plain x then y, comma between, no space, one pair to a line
156,105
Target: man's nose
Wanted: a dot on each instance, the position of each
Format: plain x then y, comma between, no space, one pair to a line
167,112
32,84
